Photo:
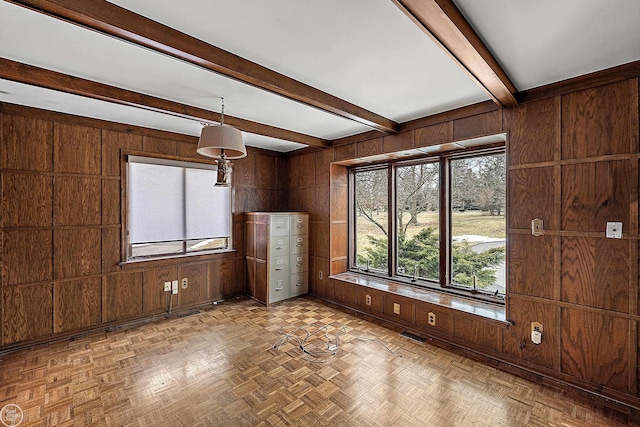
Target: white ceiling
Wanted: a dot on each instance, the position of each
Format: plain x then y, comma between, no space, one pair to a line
366,52
546,41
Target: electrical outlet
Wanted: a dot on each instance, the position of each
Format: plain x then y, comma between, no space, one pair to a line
367,299
536,332
167,286
396,308
185,283
431,319
320,274
174,287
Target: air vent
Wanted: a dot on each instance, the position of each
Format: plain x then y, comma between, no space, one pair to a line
412,336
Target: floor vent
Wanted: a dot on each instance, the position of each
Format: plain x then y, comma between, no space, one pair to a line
190,313
412,336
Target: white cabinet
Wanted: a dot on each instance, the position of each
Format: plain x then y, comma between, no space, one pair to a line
277,253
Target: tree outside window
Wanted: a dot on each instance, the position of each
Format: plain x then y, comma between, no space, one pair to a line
474,233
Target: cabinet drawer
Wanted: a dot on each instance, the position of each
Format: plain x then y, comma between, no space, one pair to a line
279,266
278,289
299,283
299,244
298,263
279,225
279,246
299,224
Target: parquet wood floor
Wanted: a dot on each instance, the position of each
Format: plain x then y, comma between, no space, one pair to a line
219,368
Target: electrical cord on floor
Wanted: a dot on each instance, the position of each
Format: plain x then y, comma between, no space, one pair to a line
319,346
375,340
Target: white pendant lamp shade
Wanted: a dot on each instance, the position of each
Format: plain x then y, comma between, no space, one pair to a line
216,141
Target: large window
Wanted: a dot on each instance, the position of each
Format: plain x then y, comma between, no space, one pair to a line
175,208
436,222
372,219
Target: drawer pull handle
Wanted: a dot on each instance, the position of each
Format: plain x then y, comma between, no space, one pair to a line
279,268
299,264
299,226
298,284
299,245
278,248
278,289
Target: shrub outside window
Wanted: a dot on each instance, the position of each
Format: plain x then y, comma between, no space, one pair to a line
447,227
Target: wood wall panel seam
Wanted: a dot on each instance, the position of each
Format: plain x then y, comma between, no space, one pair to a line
563,304
557,240
61,174
564,162
62,227
633,357
634,116
571,233
633,228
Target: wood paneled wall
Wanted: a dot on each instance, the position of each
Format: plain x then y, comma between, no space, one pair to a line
583,174
573,162
61,226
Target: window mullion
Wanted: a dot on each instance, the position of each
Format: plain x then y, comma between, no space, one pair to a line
351,224
392,242
184,210
445,222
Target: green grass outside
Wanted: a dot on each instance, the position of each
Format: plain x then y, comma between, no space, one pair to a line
469,222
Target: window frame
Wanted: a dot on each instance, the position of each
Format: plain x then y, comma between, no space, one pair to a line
444,283
160,159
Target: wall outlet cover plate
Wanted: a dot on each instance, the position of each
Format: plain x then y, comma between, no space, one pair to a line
536,337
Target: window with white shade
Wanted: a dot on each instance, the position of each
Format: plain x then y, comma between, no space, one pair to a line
175,208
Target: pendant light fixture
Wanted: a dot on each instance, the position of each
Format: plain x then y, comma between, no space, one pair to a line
223,143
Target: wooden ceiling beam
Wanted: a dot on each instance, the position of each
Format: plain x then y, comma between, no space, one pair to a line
35,76
110,19
443,23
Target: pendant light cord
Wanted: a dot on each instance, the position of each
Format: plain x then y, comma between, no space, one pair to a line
222,155
222,112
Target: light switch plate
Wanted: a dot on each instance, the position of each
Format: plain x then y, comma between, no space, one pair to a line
614,230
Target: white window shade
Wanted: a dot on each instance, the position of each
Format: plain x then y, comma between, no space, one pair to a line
155,203
207,206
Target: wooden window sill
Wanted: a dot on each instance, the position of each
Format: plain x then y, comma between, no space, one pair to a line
177,258
486,310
